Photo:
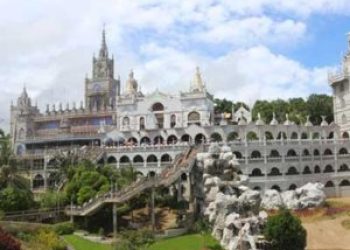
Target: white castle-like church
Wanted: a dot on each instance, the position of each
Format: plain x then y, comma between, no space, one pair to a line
119,125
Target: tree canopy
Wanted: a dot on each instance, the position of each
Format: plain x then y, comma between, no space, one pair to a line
315,106
285,231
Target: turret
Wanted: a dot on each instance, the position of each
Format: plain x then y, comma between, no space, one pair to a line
197,84
131,84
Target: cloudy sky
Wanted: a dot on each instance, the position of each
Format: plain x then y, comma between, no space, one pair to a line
246,49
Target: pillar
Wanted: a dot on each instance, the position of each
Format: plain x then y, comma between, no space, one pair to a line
71,212
115,225
153,216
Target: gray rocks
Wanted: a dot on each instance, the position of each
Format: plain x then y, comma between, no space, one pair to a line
308,196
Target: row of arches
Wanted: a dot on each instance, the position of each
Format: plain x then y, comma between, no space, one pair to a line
193,117
257,172
293,186
274,153
139,159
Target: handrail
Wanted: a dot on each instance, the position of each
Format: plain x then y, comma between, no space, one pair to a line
166,178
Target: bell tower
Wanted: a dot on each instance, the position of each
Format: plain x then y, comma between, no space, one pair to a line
102,89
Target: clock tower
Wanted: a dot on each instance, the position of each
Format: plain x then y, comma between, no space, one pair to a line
102,89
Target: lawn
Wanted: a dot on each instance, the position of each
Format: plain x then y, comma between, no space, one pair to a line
187,242
81,244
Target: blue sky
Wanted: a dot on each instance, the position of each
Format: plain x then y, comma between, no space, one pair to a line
246,49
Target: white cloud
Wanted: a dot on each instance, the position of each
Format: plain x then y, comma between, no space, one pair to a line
48,45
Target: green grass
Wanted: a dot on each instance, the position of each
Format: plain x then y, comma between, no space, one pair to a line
187,242
81,244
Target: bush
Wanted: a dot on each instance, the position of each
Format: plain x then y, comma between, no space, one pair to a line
285,232
134,240
8,242
47,240
202,225
13,199
64,228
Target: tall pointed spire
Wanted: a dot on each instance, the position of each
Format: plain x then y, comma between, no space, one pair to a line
104,49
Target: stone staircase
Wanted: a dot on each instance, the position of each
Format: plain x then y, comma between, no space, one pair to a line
167,177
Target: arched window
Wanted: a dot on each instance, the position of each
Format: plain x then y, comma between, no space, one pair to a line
292,171
126,121
186,138
132,141
344,168
328,152
274,153
328,169
268,135
142,123
199,139
256,172
316,152
157,107
306,152
292,187
166,158
232,136
255,154
316,135
304,136
238,154
194,118
345,135
317,169
294,136
344,183
274,172
172,121
111,160
252,136
124,159
216,137
152,158
145,141
291,153
38,181
257,188
138,159
343,151
172,139
158,140
276,187
307,170
329,184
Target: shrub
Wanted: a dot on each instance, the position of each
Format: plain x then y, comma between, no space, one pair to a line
7,242
64,228
48,240
285,232
136,239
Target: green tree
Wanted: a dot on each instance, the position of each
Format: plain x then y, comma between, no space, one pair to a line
13,199
285,231
318,106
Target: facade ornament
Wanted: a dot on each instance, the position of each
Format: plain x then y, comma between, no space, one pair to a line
53,107
274,120
287,122
259,122
47,108
308,123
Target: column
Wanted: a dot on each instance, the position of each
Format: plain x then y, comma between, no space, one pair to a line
153,216
115,225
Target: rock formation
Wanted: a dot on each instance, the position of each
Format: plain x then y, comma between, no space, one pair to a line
233,209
